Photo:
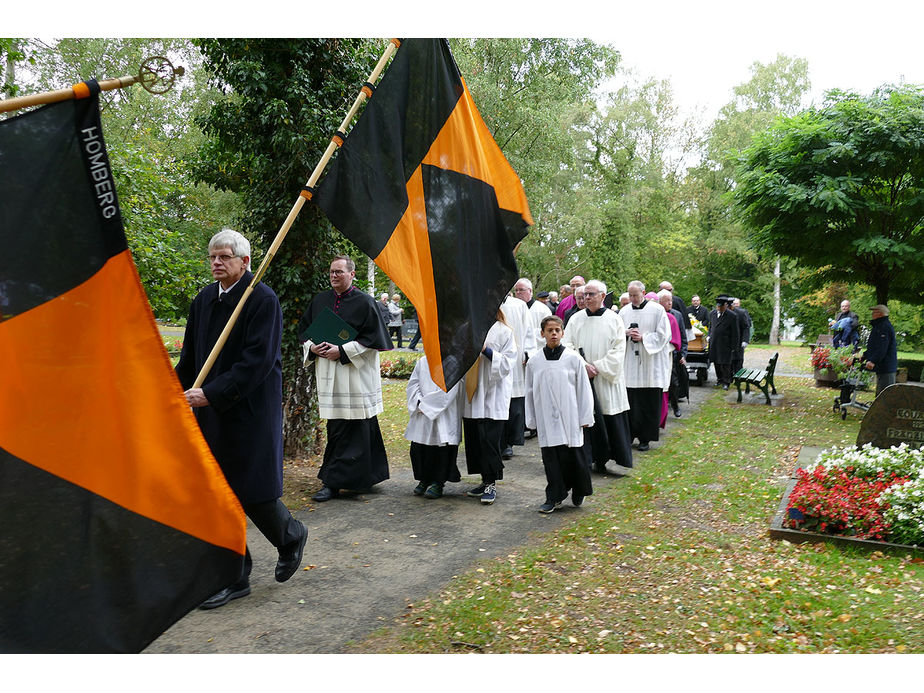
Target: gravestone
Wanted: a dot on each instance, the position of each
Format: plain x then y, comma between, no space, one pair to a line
897,416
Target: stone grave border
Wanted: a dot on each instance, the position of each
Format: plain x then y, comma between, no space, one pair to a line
798,536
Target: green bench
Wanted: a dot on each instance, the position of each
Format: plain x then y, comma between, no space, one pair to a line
763,380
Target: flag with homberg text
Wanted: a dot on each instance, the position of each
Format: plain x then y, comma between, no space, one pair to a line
421,187
115,519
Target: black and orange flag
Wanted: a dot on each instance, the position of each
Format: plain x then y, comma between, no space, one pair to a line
421,187
115,519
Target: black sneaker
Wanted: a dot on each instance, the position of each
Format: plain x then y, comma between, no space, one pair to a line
434,491
475,492
489,495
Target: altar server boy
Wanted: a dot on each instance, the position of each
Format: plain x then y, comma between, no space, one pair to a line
434,429
559,405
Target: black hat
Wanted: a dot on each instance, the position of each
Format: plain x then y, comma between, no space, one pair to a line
723,299
542,294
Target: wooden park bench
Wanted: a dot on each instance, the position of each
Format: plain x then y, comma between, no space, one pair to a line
761,379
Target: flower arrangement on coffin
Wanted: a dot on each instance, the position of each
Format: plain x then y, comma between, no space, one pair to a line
699,328
867,493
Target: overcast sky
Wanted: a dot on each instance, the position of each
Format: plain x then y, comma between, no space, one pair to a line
704,47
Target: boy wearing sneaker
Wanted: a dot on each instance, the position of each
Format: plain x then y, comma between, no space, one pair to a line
434,429
559,405
486,405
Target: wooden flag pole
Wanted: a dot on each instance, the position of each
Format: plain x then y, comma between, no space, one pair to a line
335,142
156,75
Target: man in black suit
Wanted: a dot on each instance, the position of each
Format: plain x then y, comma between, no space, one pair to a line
744,327
677,304
239,405
724,338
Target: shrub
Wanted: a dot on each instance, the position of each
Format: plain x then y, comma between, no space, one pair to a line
397,367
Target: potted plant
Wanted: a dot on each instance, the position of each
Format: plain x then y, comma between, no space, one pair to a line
822,364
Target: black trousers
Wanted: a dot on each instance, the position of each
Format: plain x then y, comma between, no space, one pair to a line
395,332
516,422
483,440
276,523
723,373
644,412
565,471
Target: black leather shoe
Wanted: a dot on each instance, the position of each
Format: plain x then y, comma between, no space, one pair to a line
507,454
576,501
643,447
226,595
290,558
325,494
677,412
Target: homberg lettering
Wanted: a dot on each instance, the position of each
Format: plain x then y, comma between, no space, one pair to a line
99,171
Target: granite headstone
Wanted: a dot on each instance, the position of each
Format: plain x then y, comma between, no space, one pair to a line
895,417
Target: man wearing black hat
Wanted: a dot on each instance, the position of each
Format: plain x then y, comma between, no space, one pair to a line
724,340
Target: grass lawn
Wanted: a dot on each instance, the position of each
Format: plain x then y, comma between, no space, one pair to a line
677,558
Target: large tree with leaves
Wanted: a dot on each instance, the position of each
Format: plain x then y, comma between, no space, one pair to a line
841,188
283,99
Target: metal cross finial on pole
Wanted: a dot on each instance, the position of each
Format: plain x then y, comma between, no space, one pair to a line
156,75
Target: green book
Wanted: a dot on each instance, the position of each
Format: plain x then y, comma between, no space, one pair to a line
329,327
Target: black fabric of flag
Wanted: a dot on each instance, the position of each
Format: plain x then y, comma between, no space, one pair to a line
421,187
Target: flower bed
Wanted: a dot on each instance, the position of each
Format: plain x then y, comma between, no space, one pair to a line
397,367
868,494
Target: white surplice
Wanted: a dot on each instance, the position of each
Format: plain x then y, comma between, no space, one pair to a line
517,315
603,340
348,391
435,416
558,399
537,312
651,365
495,377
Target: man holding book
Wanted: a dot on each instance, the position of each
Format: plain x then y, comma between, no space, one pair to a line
342,334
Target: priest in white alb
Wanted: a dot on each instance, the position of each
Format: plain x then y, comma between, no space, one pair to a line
647,364
599,336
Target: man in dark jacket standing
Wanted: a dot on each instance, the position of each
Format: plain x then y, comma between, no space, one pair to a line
744,329
724,340
881,353
239,406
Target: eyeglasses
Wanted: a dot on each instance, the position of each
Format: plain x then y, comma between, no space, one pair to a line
520,291
591,294
336,273
222,258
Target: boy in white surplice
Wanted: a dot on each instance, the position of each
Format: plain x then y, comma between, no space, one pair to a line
559,405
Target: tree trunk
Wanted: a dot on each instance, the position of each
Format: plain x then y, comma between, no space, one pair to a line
775,325
370,274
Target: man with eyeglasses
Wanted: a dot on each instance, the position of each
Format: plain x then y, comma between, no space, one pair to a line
349,385
239,406
599,336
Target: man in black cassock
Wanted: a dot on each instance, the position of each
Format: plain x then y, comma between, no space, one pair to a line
239,406
724,340
698,311
349,385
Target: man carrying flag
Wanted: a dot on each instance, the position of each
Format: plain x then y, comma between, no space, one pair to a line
421,187
239,406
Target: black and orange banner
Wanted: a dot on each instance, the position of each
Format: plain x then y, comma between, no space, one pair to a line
115,519
421,187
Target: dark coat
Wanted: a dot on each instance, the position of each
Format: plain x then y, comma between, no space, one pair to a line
881,348
724,336
243,422
744,324
684,320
